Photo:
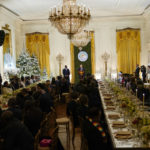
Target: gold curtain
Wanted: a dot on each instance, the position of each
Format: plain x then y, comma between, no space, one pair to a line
93,52
92,57
6,45
128,50
72,62
38,44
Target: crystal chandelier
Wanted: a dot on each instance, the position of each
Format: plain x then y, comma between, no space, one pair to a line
70,18
81,39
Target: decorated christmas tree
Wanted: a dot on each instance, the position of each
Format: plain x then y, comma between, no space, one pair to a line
28,65
35,66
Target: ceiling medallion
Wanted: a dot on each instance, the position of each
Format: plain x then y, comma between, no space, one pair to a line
70,18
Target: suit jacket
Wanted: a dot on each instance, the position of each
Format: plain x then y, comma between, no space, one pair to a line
137,71
66,73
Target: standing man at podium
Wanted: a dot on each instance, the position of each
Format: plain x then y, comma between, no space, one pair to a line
66,73
81,72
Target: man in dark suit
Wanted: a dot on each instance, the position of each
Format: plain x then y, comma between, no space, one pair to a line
66,73
137,71
81,72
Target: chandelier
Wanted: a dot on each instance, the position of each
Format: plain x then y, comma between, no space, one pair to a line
70,18
81,39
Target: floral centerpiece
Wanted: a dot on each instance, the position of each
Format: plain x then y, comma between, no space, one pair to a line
145,130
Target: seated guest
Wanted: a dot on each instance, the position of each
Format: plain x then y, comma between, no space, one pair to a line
133,84
15,134
32,79
64,86
45,99
32,117
83,106
93,95
20,100
6,88
27,81
93,131
22,81
12,106
72,108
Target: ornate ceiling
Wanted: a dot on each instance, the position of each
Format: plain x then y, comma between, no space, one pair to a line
39,9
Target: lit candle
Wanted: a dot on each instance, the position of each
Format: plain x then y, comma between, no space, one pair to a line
143,103
51,12
62,10
143,100
136,92
89,12
55,10
84,9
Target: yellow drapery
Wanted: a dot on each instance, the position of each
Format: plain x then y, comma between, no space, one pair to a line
93,52
92,56
6,45
128,50
38,44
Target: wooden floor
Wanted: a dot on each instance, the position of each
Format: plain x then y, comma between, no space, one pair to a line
61,112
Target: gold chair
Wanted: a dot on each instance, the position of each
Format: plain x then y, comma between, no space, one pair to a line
65,122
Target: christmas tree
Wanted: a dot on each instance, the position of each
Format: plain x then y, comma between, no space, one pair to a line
35,66
28,65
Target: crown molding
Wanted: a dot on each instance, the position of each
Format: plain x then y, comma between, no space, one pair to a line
6,12
2,6
94,16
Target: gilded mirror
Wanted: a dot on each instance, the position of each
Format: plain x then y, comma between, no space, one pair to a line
7,48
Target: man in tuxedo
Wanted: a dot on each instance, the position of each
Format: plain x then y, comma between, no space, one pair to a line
66,73
137,71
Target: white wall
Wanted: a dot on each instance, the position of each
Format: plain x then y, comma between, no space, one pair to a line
147,36
105,39
6,17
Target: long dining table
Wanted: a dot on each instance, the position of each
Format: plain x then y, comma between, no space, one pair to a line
132,142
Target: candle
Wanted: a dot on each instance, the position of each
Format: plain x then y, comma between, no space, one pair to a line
143,100
143,103
84,9
89,12
55,10
136,92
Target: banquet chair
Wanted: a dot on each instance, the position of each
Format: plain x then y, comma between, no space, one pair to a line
64,121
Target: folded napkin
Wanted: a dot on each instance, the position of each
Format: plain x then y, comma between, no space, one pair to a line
123,135
109,103
113,116
118,124
110,108
107,97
